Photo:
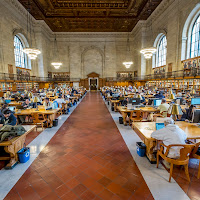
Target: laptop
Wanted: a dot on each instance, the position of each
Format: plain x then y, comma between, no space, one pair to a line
159,126
12,108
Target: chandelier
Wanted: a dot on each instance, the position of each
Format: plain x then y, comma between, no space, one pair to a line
128,64
148,52
30,51
128,61
56,64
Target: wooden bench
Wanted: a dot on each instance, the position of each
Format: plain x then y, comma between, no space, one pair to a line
13,146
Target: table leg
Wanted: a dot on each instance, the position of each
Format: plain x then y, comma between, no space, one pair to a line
124,115
150,145
12,150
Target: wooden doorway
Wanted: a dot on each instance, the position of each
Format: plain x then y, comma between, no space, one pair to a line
93,81
93,84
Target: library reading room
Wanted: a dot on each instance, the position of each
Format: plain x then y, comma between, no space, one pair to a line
99,99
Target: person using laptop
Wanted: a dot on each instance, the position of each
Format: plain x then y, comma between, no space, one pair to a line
8,118
47,103
60,100
26,104
163,107
170,134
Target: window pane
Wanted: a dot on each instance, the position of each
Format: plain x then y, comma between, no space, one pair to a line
195,39
161,52
20,56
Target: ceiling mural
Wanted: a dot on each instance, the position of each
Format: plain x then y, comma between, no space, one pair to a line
91,15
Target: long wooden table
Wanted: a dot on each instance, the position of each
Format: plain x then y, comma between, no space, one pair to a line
145,129
50,113
13,146
124,111
115,103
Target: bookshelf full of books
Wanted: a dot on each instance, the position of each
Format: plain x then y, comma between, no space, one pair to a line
182,84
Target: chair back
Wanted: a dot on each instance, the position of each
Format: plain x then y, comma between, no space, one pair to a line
185,150
194,151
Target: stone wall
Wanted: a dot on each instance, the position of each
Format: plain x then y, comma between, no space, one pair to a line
103,53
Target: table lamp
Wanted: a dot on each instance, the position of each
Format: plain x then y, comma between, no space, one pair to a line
174,110
172,96
193,92
36,100
139,96
30,95
148,92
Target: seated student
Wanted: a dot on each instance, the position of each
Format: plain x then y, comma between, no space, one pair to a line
159,95
163,107
2,100
26,104
47,103
170,134
8,118
60,100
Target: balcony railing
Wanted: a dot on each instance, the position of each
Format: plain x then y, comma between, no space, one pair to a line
15,77
166,75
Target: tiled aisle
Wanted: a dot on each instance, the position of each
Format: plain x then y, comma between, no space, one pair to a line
86,159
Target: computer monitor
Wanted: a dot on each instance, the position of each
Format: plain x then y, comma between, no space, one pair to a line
150,100
195,101
115,95
159,126
12,108
135,101
196,116
157,102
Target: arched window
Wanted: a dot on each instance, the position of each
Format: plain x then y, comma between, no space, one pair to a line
161,52
195,39
20,56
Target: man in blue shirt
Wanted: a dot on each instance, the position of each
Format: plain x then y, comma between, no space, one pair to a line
8,118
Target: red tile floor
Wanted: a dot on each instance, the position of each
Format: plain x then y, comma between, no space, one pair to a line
86,159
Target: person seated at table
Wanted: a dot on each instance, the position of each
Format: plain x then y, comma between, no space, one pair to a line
8,118
2,100
124,101
170,134
60,100
27,104
159,95
47,103
187,96
179,94
163,107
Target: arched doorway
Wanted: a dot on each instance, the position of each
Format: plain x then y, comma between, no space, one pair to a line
93,81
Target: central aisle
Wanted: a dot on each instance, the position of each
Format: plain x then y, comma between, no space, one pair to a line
86,159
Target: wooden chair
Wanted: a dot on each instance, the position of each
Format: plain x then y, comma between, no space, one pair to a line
194,155
182,160
135,116
39,119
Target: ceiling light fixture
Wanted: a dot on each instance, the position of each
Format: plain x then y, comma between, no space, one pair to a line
148,52
56,64
30,51
128,61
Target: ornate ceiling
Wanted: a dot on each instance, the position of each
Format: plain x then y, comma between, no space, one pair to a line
91,15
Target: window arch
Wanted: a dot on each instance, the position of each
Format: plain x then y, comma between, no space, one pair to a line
195,39
190,34
21,59
161,52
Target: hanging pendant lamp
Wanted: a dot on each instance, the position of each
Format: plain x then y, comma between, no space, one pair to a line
128,61
56,64
30,51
